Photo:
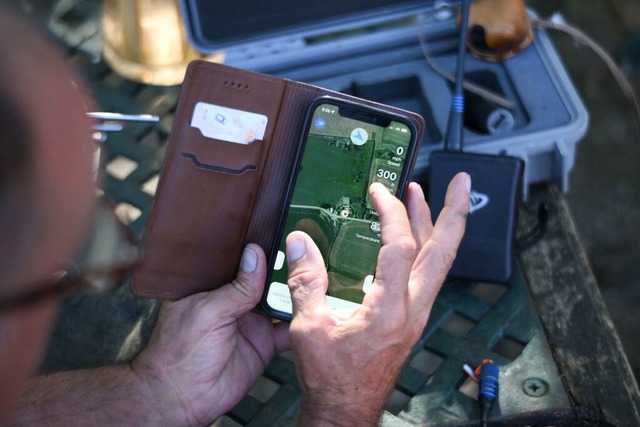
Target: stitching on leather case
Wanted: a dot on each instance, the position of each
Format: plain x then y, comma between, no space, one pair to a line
213,168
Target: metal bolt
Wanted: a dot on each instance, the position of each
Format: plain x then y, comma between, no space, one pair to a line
500,120
535,387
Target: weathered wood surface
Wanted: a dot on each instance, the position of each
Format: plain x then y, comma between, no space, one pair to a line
584,343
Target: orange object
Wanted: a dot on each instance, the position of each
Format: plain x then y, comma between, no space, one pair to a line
479,368
498,29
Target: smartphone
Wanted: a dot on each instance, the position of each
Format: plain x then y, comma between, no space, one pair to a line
345,147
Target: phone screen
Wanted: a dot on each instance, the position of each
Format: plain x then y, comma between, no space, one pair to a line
346,147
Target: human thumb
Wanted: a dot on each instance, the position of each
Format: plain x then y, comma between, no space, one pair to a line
243,293
307,274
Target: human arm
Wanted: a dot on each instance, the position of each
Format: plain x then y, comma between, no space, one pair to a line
205,353
348,361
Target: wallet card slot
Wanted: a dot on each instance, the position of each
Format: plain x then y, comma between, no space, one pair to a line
214,168
242,98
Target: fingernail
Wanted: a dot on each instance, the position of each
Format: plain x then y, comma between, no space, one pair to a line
295,248
467,182
419,189
377,186
249,261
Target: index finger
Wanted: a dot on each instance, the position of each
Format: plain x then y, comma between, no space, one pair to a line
398,250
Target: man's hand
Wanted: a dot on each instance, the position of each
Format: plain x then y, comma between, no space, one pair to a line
204,355
208,350
348,360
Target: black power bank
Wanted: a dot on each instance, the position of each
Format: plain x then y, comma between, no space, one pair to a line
487,249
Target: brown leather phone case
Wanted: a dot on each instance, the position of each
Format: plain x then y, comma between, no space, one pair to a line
215,196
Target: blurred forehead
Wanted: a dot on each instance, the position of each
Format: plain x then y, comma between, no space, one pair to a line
46,196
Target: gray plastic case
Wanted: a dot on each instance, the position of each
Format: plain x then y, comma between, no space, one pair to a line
378,56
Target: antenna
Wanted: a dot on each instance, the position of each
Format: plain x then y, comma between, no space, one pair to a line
487,248
453,136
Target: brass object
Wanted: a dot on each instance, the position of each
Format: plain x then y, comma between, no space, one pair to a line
498,29
145,41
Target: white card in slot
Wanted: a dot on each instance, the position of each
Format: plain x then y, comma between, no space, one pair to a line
228,124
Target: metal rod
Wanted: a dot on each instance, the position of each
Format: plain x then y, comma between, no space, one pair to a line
144,118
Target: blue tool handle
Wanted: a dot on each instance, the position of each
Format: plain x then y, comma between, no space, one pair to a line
489,373
488,390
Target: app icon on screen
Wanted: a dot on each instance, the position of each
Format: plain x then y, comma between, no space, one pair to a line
359,136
